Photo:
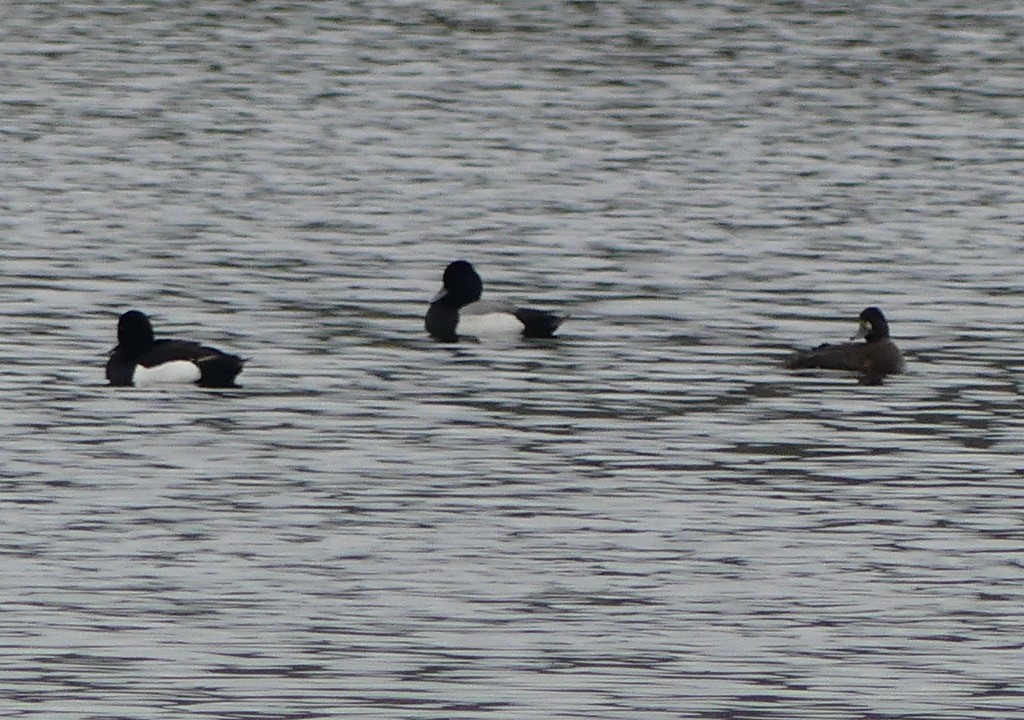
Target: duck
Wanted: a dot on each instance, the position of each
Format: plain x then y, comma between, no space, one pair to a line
140,359
874,358
456,311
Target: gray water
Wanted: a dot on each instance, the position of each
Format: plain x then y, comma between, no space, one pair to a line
646,517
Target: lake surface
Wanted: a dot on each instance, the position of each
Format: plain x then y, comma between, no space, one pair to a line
644,518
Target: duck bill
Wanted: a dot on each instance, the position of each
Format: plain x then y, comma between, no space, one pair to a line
441,294
862,331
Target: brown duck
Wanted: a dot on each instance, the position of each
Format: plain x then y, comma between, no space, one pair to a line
874,358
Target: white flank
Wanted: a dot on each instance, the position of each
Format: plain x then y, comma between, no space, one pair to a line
492,324
176,371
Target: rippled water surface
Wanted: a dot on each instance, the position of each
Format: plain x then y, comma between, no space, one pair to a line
646,517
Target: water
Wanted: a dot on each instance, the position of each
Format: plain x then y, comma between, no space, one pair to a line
644,518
